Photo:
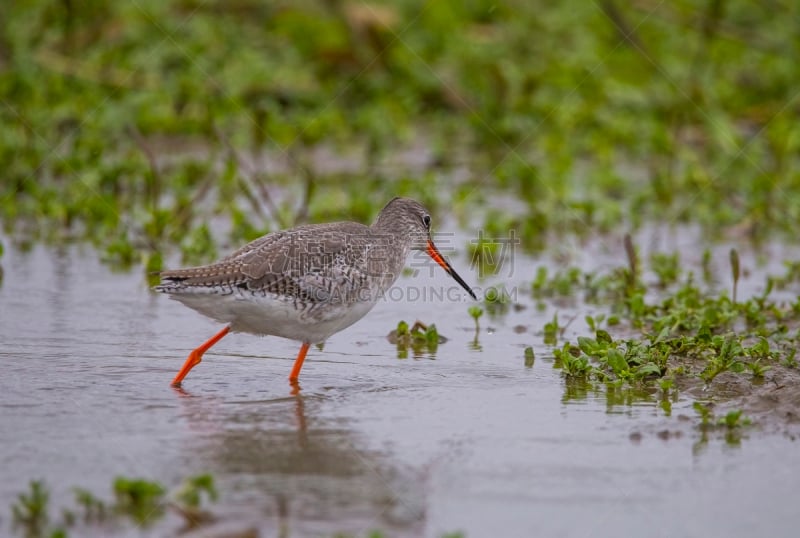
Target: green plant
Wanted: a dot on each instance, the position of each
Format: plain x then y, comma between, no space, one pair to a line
419,338
572,362
190,499
140,499
94,509
31,510
497,301
725,357
666,267
551,331
790,360
706,415
195,488
529,357
734,419
476,312
757,368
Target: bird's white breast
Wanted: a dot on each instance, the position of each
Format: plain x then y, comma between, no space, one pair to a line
276,315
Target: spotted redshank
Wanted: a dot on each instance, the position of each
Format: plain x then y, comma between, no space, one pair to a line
305,283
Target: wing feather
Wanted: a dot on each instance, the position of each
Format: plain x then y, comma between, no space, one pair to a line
315,263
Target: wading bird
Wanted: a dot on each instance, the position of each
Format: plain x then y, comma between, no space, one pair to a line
305,283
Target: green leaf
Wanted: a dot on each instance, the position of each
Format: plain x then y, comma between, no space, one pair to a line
616,361
662,335
603,337
737,367
432,335
529,357
587,345
402,328
648,369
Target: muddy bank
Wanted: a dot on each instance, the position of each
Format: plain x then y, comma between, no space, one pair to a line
772,403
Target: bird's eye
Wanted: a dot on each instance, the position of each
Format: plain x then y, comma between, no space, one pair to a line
426,220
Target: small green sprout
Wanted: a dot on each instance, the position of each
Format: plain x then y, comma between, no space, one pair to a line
140,499
31,510
190,498
476,312
529,357
757,368
551,330
93,508
666,267
790,360
705,413
734,419
194,488
402,329
419,337
432,337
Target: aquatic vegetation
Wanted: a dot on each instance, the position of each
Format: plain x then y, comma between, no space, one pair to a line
193,494
30,512
684,330
195,489
140,499
571,363
529,357
790,359
497,300
264,115
419,338
735,419
486,256
564,283
476,312
612,360
143,501
552,330
708,421
94,509
307,119
666,267
595,322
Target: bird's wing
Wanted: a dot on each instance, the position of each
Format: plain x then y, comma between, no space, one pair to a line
316,263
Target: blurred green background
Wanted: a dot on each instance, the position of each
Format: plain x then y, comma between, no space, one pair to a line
144,125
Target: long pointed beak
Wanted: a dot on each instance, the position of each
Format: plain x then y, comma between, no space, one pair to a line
433,252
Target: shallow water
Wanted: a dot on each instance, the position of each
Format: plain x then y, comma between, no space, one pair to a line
469,439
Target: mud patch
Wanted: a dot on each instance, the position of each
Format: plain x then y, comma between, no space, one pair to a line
773,403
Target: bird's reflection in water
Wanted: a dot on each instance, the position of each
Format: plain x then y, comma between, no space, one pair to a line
300,471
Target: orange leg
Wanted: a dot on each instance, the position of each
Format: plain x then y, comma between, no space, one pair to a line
298,362
197,355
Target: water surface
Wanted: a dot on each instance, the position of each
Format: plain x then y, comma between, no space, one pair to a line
466,440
